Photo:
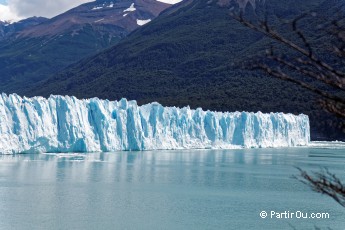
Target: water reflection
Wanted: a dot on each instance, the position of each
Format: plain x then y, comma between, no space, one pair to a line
196,189
150,166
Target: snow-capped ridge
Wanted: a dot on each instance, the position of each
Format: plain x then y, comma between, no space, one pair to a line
67,124
111,5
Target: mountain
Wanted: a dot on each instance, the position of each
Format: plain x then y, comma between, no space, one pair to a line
31,54
114,17
192,54
7,29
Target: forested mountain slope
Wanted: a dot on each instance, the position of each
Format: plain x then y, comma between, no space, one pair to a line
32,54
192,54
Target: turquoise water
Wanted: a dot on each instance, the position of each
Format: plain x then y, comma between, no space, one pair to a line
195,189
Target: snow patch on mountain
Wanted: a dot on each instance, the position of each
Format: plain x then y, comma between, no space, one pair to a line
130,9
171,2
111,5
143,22
97,8
102,19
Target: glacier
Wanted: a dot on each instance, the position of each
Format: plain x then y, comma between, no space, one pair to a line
63,124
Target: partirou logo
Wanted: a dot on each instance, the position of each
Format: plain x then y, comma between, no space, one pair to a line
293,215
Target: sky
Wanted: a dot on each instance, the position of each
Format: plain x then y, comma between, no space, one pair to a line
14,10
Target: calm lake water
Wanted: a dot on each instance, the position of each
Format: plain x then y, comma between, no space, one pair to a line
195,189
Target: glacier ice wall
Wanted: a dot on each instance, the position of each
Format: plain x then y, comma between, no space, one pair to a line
66,124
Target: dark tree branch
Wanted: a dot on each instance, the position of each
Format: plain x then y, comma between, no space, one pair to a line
306,72
286,77
324,182
306,63
265,29
335,80
301,35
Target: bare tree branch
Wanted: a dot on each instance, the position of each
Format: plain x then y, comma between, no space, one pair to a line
286,77
324,182
308,66
306,72
265,29
305,63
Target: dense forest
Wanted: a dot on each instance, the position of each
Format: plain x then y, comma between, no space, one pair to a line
193,54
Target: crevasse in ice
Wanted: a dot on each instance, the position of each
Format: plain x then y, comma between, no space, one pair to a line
67,124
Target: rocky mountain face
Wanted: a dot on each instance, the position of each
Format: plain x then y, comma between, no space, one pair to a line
8,29
116,17
242,4
31,53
